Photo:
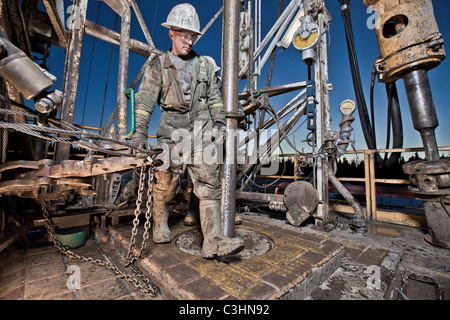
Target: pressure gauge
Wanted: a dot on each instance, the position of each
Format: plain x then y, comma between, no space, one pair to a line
347,107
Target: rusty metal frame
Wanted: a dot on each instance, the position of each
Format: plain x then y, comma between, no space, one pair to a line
322,90
71,72
70,176
231,95
57,24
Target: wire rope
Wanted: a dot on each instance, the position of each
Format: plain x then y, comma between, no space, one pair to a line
90,66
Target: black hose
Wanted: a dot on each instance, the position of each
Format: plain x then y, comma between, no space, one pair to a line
372,105
394,120
396,116
357,84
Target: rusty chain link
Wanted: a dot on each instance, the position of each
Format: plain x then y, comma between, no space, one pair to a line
131,257
148,287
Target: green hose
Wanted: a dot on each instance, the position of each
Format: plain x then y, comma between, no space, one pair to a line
130,94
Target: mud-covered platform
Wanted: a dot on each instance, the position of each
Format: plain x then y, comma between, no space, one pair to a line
296,262
280,262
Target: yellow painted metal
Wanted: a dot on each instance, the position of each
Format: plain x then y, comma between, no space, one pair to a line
367,183
406,219
373,192
408,37
305,43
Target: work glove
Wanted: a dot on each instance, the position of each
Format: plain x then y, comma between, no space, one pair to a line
140,141
219,132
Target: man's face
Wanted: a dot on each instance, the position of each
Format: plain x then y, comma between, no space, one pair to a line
182,41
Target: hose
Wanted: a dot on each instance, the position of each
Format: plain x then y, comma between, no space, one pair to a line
394,120
372,105
394,117
357,84
130,93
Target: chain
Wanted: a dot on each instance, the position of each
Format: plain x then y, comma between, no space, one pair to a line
149,287
131,257
149,211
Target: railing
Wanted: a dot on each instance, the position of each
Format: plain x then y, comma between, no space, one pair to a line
371,212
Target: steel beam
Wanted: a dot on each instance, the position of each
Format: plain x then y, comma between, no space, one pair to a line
122,82
323,116
56,21
110,36
71,71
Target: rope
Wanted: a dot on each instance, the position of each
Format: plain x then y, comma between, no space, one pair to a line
90,66
107,76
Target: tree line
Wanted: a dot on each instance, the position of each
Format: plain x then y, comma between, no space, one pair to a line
353,168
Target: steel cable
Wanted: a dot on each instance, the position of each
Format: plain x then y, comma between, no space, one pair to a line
73,133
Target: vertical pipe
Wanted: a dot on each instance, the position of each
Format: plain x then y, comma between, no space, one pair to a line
230,98
295,166
259,35
122,83
373,193
71,70
273,54
255,38
59,4
367,184
250,50
320,73
422,110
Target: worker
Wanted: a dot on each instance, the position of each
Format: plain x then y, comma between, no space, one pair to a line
191,218
182,83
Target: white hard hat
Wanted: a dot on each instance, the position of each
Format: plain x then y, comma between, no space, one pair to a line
183,16
211,59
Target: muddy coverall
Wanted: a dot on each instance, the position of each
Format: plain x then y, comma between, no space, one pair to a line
160,85
188,130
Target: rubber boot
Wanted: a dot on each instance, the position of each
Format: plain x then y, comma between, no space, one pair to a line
191,218
215,243
161,231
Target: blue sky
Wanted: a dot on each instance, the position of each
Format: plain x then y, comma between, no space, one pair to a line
288,65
